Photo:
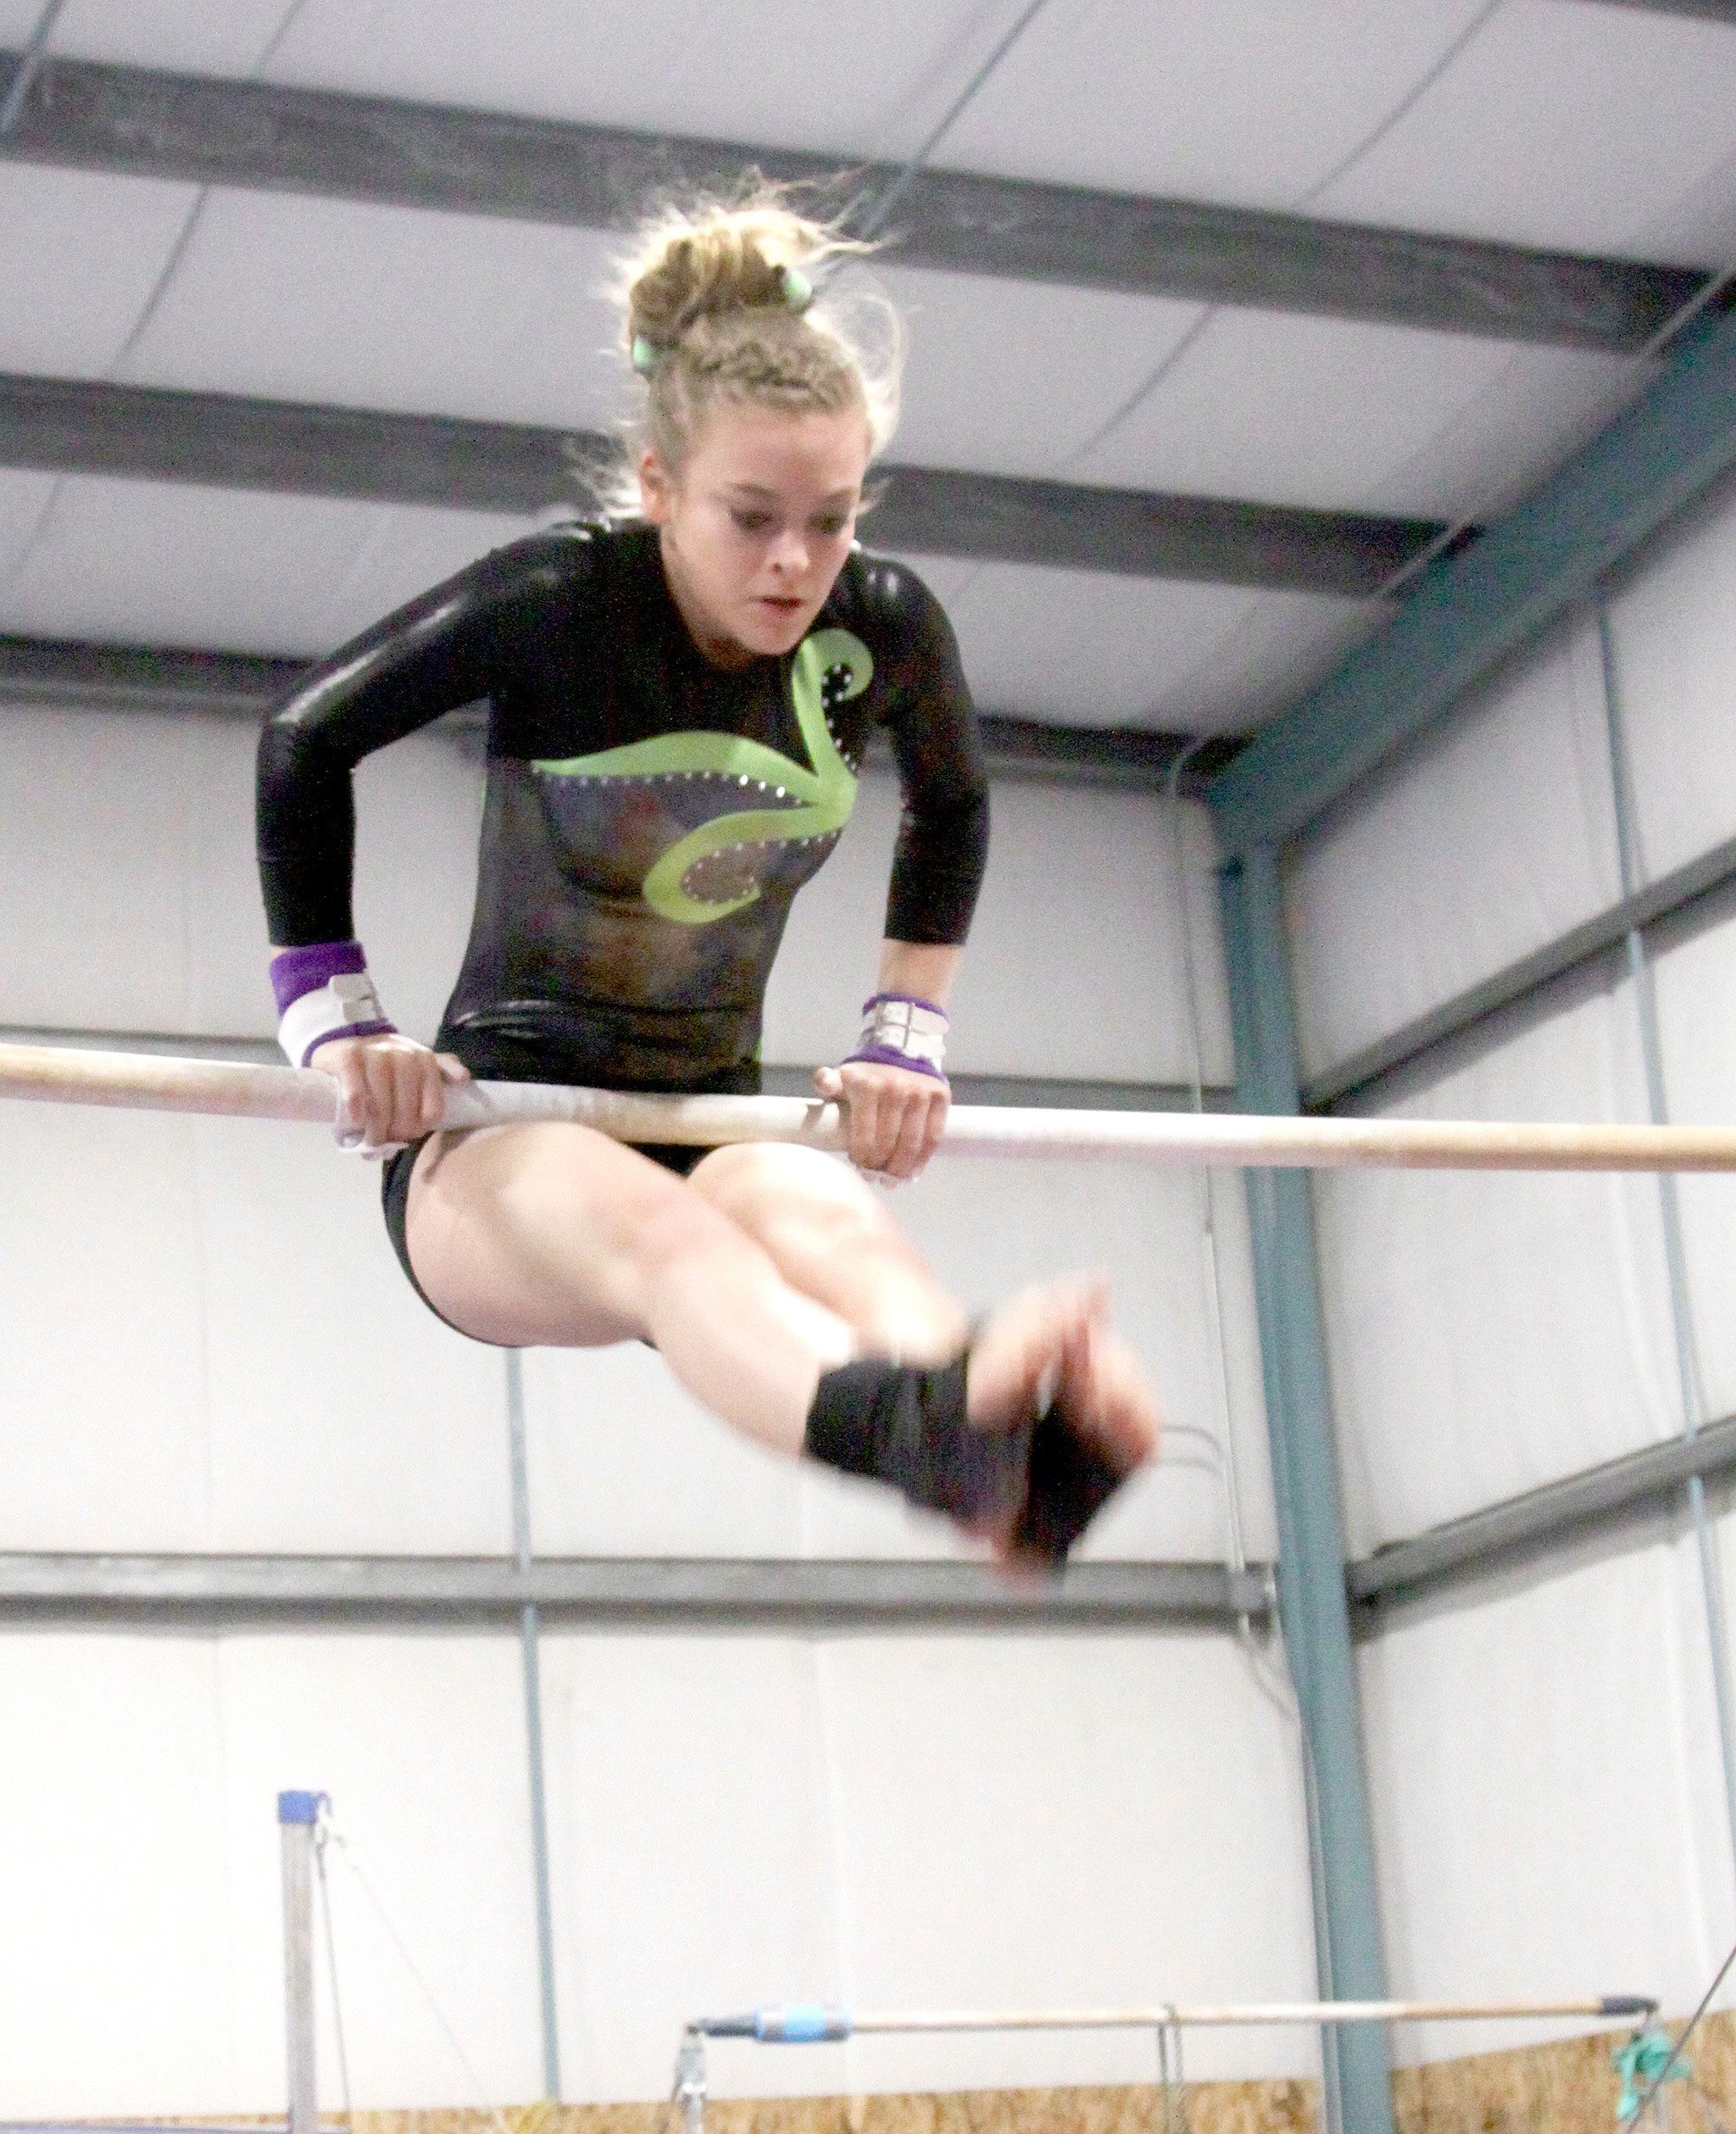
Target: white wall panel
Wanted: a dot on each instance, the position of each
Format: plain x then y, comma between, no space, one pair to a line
1489,1333
183,34
25,496
80,255
745,1820
1548,1810
208,1345
1333,415
663,67
734,1819
299,299
166,563
1559,127
127,863
1675,633
229,570
1083,648
139,1778
1079,912
1024,335
1490,836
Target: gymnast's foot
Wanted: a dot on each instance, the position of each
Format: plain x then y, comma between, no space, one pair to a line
1021,1440
1048,1354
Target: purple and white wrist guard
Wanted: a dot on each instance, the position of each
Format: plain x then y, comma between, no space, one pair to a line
324,991
903,1031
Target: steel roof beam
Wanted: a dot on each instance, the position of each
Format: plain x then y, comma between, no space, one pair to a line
253,135
1540,1524
224,440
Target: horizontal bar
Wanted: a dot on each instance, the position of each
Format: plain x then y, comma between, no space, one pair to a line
1580,947
804,2025
233,1089
84,115
1045,1092
1408,1570
624,1592
225,441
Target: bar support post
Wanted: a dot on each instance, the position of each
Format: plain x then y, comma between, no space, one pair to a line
297,1815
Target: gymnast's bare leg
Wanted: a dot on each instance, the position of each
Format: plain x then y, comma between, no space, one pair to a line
753,1279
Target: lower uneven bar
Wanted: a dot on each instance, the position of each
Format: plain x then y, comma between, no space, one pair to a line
811,2026
228,1089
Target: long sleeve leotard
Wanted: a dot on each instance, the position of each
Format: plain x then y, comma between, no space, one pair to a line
649,815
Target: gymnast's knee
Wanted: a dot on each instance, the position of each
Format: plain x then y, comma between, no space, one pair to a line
797,1196
677,1230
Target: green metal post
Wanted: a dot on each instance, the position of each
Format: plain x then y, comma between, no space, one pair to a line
1312,1594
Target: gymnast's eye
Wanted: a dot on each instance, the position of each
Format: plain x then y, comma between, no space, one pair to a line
751,521
831,523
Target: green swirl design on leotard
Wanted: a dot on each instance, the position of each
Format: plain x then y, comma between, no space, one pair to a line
826,794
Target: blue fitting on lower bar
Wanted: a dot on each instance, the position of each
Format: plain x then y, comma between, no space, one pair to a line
1628,2005
301,1808
798,2025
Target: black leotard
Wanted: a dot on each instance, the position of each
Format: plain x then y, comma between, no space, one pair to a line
649,815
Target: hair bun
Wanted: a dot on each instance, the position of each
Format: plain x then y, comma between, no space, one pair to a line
723,259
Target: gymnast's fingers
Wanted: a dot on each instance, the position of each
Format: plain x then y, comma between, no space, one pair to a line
921,1115
341,1059
863,1125
394,1094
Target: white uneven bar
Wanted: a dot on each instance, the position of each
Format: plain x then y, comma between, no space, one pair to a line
1608,2006
224,1088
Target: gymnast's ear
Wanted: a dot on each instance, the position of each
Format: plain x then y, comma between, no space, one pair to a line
656,487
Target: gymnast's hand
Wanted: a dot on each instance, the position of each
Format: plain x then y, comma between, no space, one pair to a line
893,1117
390,1090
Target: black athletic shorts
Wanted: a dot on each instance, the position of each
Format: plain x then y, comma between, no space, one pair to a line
493,1058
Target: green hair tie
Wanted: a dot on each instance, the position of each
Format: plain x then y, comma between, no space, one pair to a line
797,289
647,355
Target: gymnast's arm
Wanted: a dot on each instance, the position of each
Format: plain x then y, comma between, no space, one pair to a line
897,1113
447,648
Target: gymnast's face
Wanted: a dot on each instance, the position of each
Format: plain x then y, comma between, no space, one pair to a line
755,526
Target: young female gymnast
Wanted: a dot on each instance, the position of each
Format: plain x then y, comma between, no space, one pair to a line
678,705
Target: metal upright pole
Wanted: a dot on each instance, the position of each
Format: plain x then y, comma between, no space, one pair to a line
530,1643
1312,1602
1692,1406
297,1815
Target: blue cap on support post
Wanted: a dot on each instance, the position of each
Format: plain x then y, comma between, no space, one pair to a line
801,2025
301,1808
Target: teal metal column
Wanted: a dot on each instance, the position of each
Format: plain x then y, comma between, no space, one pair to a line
1311,1596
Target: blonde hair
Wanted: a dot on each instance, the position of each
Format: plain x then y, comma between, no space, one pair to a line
718,306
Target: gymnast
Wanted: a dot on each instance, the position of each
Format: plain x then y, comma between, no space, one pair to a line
679,700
